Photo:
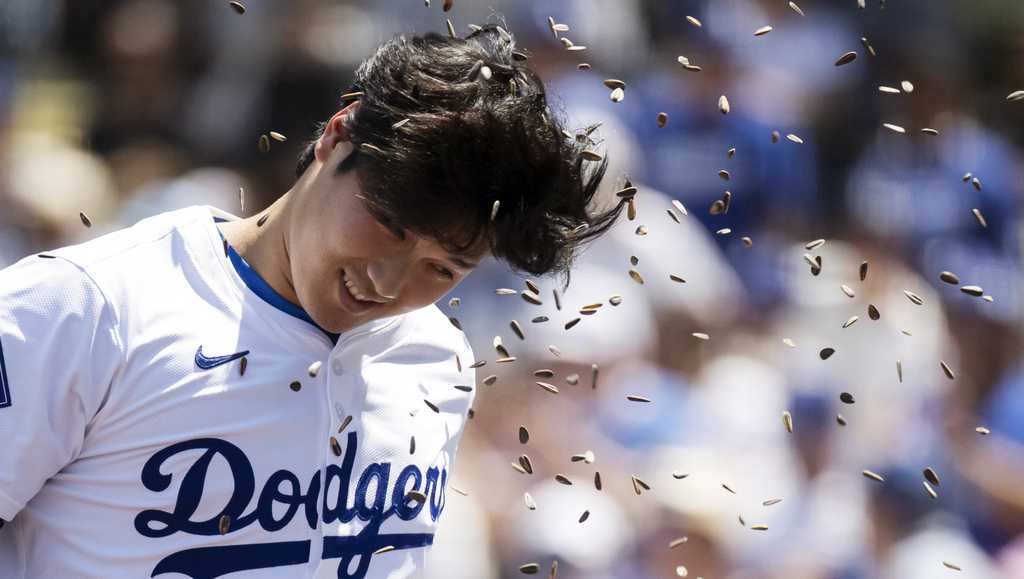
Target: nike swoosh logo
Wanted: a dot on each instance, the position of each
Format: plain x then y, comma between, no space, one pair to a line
206,363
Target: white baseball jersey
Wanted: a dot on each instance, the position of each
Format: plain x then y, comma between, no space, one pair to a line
159,417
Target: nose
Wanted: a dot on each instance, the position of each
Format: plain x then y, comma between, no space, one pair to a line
387,275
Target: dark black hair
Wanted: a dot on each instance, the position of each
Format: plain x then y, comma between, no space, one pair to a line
447,126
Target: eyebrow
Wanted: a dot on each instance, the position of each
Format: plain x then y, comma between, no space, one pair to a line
462,262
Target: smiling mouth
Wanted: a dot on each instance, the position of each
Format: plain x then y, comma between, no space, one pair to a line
358,294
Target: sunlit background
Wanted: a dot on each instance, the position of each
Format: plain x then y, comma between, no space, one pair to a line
127,109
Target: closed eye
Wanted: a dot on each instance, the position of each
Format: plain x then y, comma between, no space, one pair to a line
444,271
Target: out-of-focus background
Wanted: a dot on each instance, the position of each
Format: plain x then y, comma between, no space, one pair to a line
124,109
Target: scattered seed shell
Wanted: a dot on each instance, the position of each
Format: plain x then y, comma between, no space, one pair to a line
873,475
846,58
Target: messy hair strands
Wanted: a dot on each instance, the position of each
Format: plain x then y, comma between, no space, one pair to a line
449,127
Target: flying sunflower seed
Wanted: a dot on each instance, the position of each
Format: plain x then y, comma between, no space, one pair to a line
723,104
723,231
278,136
335,446
979,217
543,373
873,312
724,175
529,502
85,219
563,479
787,420
826,353
949,277
676,542
531,297
517,329
916,299
676,278
976,183
762,31
952,566
679,475
929,131
775,136
490,380
344,423
549,387
693,21
502,291
840,420
529,568
314,369
888,89
505,360
759,527
1017,95
771,502
264,144
747,241
972,290
899,371
867,46
846,398
583,66
635,398
597,480
593,376
238,7
795,139
639,484
947,370
788,342
432,406
614,83
982,430
591,155
894,128
726,487
849,322
295,386
931,476
796,8
928,489
451,28
662,120
561,27
417,496
847,290
635,275
571,323
907,86
679,207
224,524
242,365
846,58
584,516
572,379
873,475
524,461
617,95
701,336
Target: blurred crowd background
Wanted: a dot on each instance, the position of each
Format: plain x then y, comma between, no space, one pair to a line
124,109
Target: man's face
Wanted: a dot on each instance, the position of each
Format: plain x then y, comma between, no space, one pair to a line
349,268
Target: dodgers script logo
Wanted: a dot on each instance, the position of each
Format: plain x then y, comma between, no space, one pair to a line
283,487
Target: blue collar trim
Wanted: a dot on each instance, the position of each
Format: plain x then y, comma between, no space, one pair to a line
260,287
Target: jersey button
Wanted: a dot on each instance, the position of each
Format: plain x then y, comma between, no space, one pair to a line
337,367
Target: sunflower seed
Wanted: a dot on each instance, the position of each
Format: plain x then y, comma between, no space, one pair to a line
679,475
583,66
505,360
571,323
851,321
873,312
982,430
417,496
529,568
701,336
503,291
1016,95
85,219
796,8
826,353
591,155
314,369
636,398
888,89
846,398
693,21
662,120
775,136
952,566
972,290
543,373
846,58
759,527
724,175
584,516
295,386
795,139
931,476
947,370
679,207
762,31
264,144
867,46
771,502
432,406
787,420
524,461
344,423
894,128
593,376
572,379
517,329
899,371
949,277
987,298
681,571
928,489
335,446
979,217
529,502
913,297
840,420
847,290
747,241
242,365
930,131
717,207
617,95
872,475
238,7
907,86
676,542
562,479
788,342
451,28
539,319
463,387
549,387
531,297
723,104
676,278
976,183
638,484
723,231
597,480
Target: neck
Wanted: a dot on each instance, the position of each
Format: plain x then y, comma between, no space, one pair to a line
265,247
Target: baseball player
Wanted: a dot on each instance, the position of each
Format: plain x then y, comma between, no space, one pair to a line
201,395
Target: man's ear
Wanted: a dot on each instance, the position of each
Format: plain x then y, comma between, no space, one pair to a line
336,131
